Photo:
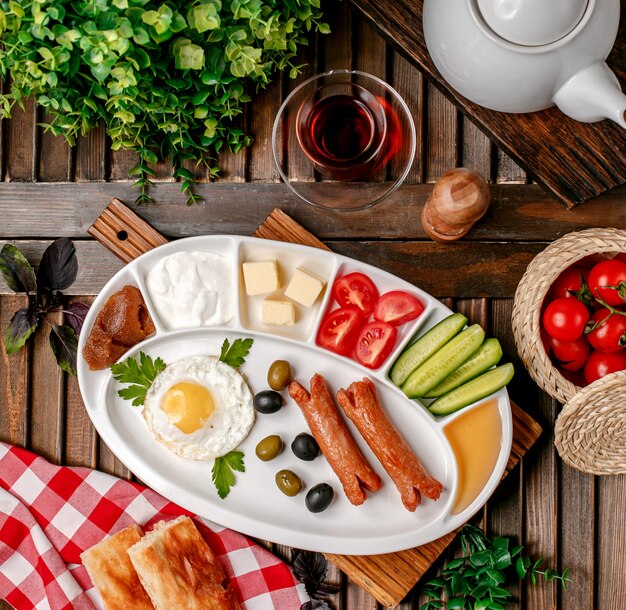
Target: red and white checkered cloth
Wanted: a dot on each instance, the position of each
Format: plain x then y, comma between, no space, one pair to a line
50,514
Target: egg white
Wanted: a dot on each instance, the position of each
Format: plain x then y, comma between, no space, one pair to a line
226,427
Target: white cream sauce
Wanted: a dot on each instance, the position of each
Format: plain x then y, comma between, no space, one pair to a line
192,289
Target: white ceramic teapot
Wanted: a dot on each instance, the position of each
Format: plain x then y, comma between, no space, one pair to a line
526,55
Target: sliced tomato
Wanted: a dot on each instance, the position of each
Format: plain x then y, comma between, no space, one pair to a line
397,307
356,290
339,330
374,343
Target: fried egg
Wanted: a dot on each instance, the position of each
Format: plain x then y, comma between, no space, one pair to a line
199,408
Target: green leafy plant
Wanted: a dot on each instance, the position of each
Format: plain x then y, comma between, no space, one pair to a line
167,79
476,580
139,374
57,271
223,475
235,354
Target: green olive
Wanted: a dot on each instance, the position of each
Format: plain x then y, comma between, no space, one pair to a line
288,482
279,375
269,447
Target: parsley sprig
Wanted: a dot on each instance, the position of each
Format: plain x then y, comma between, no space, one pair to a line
476,580
235,354
222,473
140,374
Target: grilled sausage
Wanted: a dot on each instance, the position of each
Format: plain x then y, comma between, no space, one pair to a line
360,403
334,439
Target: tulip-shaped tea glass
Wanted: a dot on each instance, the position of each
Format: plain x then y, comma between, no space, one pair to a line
343,140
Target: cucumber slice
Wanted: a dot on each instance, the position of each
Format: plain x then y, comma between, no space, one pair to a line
489,354
444,362
473,390
426,346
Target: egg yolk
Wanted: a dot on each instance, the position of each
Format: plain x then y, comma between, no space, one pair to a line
187,406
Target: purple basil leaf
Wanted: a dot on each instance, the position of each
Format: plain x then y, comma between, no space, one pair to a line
21,326
64,344
315,604
16,270
58,267
75,316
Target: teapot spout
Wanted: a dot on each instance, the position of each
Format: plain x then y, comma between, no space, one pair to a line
593,94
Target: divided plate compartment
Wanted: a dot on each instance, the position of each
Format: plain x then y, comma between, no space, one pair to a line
255,506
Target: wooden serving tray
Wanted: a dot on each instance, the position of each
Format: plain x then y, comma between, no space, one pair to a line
388,577
576,161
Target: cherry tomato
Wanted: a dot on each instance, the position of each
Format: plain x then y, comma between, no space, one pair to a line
356,290
568,282
375,343
621,257
564,319
608,273
339,330
397,307
600,364
610,335
570,355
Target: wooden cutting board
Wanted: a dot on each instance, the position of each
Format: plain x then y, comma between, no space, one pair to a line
576,161
388,577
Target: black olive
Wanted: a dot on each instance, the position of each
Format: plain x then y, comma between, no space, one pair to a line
267,401
319,497
305,447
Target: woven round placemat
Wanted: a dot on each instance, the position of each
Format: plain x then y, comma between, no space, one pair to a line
535,283
590,431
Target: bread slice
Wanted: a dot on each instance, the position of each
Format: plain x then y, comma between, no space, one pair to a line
179,571
112,573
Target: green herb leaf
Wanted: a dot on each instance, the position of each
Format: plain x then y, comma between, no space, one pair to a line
476,580
222,473
139,374
16,270
64,344
235,354
21,326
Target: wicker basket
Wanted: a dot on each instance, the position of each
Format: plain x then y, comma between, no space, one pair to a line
529,296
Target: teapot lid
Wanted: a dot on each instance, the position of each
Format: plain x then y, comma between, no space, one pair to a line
532,22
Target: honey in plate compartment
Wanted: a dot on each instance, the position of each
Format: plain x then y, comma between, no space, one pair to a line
475,437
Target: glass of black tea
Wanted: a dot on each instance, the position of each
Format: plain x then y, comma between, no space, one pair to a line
344,140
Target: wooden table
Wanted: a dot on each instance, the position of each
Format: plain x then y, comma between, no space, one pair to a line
49,191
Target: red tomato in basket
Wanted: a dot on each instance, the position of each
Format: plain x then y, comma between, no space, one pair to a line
397,307
600,364
570,355
564,319
610,334
356,290
621,257
567,283
608,273
374,343
339,330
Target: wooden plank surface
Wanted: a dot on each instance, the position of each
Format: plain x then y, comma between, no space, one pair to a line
517,212
586,531
577,161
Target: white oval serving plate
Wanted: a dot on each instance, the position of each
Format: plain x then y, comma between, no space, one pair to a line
255,506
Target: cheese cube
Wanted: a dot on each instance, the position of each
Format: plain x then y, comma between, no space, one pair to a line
260,277
304,287
278,312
